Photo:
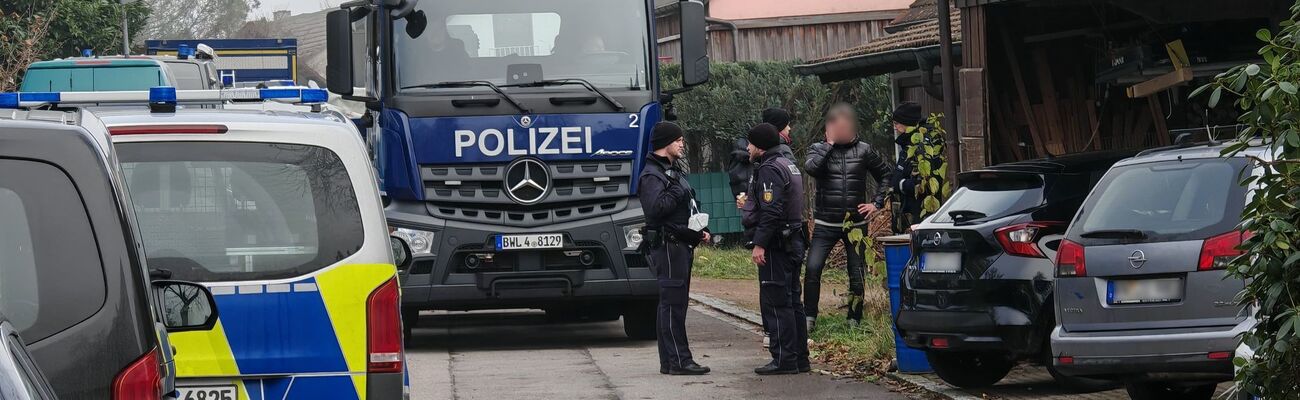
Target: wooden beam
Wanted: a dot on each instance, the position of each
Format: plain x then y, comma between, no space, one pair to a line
1054,128
1019,81
1158,117
1160,83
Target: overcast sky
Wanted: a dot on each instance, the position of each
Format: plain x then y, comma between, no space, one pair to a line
295,6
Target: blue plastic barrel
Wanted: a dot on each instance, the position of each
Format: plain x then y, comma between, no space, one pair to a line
897,252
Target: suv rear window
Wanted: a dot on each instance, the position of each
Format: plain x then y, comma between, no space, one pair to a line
990,199
226,211
1167,201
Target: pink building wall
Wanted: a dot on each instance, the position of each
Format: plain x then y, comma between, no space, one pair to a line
752,9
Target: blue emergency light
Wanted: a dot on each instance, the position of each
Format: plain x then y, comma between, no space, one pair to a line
87,53
184,52
8,100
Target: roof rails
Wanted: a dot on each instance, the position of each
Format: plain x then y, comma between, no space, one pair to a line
163,98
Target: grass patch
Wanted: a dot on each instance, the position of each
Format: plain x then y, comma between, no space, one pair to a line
862,350
735,263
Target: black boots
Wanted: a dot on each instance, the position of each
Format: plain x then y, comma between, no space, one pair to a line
690,368
773,368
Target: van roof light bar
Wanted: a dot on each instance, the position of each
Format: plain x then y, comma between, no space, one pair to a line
163,95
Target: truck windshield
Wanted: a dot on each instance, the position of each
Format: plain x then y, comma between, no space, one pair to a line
511,42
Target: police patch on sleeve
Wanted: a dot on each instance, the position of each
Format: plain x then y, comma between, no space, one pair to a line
793,169
767,193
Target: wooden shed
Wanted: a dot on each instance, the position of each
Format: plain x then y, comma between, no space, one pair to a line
1040,78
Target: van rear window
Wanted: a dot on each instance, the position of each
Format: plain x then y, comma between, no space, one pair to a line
92,79
225,211
1166,201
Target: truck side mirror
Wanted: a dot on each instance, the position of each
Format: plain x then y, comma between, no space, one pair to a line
338,52
695,44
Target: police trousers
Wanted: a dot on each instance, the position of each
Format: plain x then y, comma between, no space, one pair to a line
782,309
671,263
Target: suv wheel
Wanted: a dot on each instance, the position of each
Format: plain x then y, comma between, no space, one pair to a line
1170,391
970,369
639,320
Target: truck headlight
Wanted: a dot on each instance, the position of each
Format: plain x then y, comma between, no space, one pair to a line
632,236
421,242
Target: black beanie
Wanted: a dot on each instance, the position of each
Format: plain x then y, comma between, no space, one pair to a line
908,113
665,133
777,117
764,136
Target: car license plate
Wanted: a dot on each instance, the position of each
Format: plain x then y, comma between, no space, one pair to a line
944,263
530,241
1144,291
225,392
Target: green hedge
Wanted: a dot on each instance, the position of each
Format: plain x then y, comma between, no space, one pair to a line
724,109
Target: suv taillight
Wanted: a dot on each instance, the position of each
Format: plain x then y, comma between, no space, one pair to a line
1218,251
1069,260
142,380
1022,239
384,327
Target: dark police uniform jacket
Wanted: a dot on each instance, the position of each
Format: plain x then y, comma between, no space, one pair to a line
666,200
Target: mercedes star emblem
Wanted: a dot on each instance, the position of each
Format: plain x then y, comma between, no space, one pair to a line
527,181
1137,259
525,121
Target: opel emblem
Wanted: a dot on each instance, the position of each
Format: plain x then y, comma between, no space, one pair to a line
1137,259
527,181
525,121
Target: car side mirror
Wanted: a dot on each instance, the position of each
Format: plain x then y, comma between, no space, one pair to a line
695,43
185,306
401,252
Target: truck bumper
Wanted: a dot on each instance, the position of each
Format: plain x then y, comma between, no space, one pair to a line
466,271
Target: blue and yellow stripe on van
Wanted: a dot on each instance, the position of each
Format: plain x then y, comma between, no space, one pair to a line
300,340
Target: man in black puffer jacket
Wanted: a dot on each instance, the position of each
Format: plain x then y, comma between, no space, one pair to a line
842,164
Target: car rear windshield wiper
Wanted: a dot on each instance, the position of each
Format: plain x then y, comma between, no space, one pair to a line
965,215
573,81
462,84
1133,234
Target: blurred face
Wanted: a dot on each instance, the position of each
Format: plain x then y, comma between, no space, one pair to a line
899,128
677,149
754,152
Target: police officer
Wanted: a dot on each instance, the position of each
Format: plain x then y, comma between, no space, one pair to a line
669,244
774,221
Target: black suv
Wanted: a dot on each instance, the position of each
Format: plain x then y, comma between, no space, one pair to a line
977,293
73,279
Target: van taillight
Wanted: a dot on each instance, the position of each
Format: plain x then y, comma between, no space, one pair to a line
168,130
1218,251
142,380
1022,239
384,328
1069,260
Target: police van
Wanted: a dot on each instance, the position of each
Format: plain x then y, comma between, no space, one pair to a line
278,214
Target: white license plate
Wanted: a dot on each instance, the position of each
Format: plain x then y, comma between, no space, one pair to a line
944,263
530,241
224,392
1140,291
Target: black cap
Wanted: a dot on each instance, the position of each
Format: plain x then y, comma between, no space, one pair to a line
779,118
764,136
665,133
908,113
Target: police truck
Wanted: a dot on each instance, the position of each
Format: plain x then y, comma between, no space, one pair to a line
508,136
